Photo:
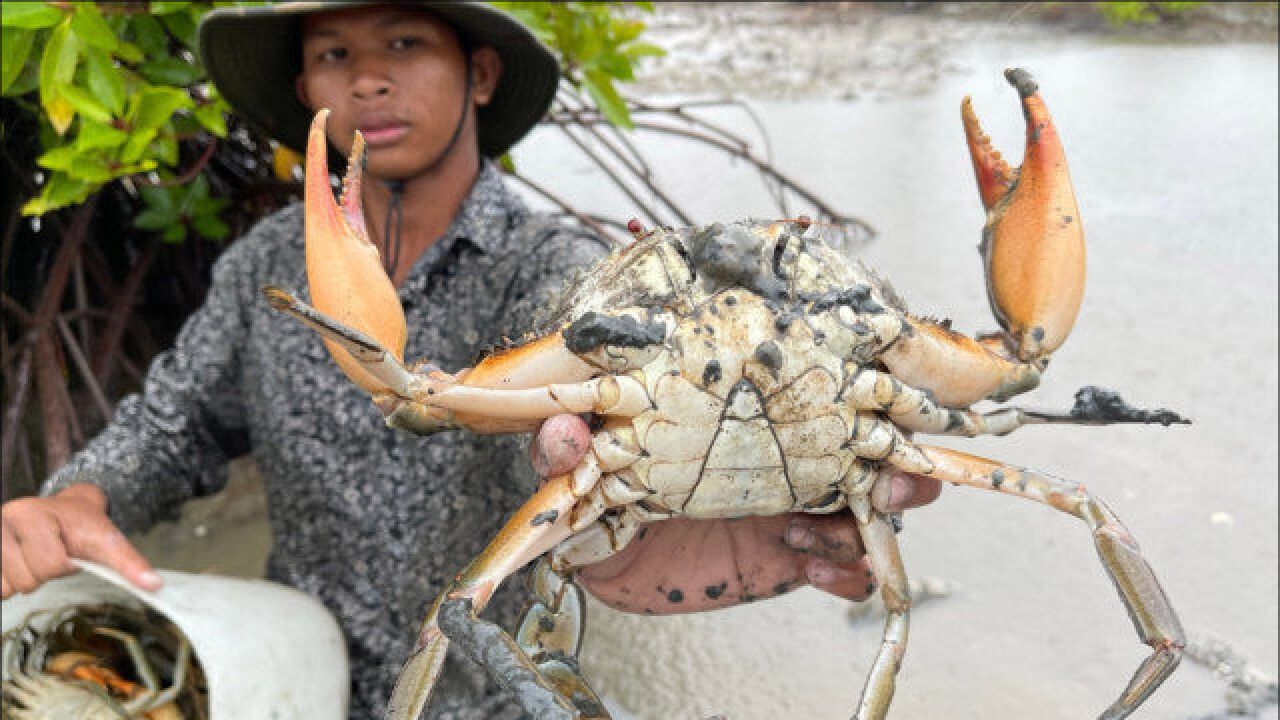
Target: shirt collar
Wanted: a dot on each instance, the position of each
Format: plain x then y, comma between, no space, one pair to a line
485,220
489,213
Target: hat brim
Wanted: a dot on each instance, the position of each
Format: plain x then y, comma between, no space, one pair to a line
253,56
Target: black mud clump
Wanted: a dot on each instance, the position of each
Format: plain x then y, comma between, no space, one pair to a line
769,355
730,256
593,330
858,298
1022,81
1100,405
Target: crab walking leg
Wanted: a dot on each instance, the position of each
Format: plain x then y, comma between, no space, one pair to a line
886,562
463,402
1149,609
540,524
550,634
152,696
957,369
914,410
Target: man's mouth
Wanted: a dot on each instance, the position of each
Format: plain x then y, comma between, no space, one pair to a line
382,133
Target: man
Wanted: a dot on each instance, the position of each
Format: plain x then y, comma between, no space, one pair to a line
371,521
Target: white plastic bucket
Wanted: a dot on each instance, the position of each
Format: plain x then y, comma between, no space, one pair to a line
268,651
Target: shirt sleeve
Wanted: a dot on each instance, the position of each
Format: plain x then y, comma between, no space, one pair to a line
171,442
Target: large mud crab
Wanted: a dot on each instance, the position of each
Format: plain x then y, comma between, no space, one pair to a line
740,369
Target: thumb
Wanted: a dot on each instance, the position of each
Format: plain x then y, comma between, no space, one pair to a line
98,540
560,444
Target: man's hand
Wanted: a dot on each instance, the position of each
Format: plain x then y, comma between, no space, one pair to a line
42,534
687,565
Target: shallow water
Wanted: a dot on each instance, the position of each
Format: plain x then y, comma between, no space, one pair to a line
1173,153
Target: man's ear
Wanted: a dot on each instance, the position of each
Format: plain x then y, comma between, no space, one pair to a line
486,69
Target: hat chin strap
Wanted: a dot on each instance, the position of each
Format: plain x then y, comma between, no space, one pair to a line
390,240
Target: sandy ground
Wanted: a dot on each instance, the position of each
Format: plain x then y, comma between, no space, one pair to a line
1172,143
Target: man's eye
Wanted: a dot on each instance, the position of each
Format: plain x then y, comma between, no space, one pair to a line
331,54
404,43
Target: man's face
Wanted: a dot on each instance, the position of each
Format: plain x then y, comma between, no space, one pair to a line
399,76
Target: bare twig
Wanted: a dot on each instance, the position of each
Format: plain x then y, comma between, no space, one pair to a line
19,383
760,165
131,370
73,420
639,170
681,111
96,264
614,153
107,348
568,91
190,173
82,301
14,308
77,358
51,386
641,205
53,414
582,218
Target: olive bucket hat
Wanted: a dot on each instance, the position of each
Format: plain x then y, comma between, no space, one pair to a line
253,55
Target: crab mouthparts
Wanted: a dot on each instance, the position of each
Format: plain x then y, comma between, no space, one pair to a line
345,274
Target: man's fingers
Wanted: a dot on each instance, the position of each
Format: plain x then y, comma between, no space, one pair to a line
906,491
40,541
17,577
853,581
831,537
559,445
100,541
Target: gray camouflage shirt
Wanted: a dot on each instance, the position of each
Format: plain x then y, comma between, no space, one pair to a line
372,521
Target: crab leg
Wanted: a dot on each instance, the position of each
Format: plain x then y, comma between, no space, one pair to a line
151,697
550,633
441,399
1033,244
955,368
914,410
1152,615
540,524
886,562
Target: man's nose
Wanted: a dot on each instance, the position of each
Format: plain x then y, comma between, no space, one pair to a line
370,82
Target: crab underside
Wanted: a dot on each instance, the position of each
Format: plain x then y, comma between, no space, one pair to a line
736,369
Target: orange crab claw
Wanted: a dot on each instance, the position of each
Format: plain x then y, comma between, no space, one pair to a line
1033,243
344,271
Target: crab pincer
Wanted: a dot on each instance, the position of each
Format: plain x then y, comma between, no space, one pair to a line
344,272
1033,243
